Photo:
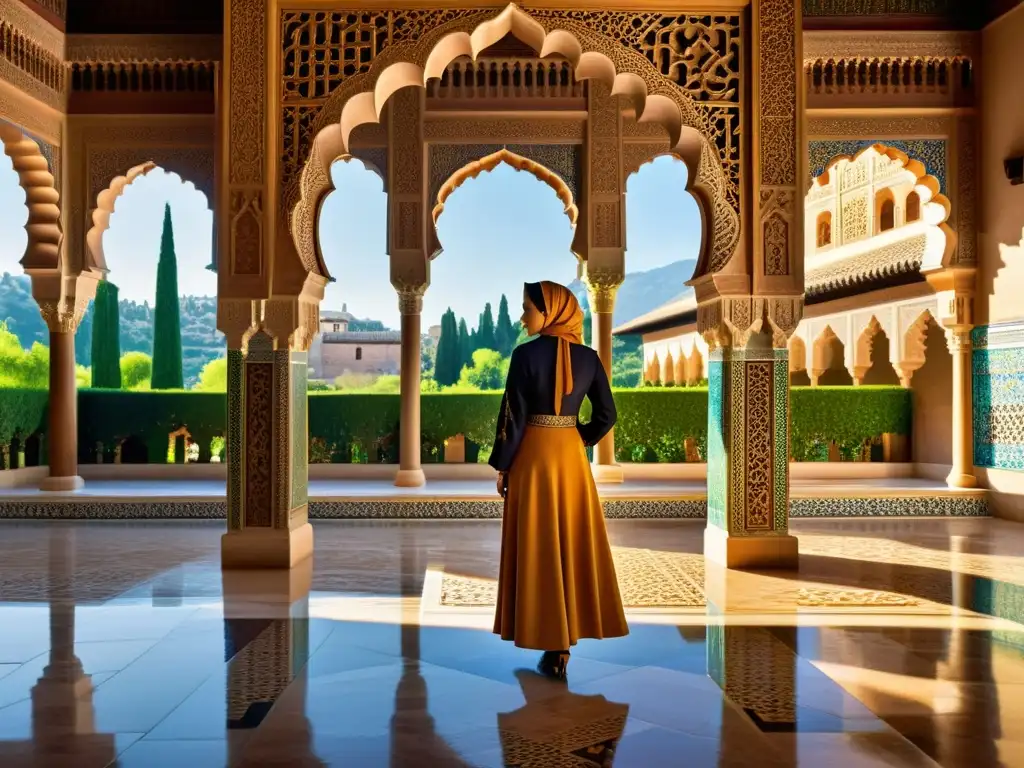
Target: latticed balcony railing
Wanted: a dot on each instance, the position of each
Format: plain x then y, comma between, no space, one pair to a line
889,76
179,76
506,78
31,58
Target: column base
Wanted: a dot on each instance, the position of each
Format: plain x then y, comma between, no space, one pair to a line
754,552
62,484
410,478
266,592
608,473
265,548
961,480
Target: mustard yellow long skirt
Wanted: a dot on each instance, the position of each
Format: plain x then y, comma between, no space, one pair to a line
556,581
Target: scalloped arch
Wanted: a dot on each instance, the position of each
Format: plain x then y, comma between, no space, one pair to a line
42,251
518,162
916,167
361,99
105,202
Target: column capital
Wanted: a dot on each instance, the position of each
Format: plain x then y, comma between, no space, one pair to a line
410,297
730,321
63,313
958,339
602,287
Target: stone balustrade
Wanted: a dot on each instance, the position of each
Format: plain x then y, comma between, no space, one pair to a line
508,77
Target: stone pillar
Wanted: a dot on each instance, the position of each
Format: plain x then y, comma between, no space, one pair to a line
408,222
410,473
751,305
267,440
748,450
62,318
601,289
962,473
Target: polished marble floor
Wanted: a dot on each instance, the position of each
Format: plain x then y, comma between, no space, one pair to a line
122,644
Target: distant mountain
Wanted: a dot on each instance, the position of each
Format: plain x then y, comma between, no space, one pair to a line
643,291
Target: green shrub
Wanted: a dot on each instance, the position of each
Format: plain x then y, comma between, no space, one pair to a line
654,423
22,412
111,417
847,416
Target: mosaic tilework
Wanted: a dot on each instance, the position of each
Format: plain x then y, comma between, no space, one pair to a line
931,152
717,430
235,446
624,509
299,426
780,405
997,367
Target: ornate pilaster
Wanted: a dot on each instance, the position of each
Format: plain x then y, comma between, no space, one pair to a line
748,315
602,286
748,443
267,442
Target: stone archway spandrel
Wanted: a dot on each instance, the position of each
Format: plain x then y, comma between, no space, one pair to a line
631,75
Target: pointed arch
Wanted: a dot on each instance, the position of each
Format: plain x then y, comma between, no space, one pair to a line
653,99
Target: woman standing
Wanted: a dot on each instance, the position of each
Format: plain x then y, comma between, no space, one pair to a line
556,582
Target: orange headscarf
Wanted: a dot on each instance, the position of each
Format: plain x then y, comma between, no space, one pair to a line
563,319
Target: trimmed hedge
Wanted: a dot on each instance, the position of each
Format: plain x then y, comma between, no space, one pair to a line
145,419
23,412
653,425
847,416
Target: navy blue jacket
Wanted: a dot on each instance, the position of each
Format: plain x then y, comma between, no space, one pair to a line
530,391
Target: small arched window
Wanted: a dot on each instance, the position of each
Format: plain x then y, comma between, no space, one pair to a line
824,229
885,211
359,353
913,207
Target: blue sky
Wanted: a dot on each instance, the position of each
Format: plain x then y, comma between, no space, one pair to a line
498,230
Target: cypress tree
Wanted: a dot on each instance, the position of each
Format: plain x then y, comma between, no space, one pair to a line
167,314
106,338
465,344
448,365
505,333
485,337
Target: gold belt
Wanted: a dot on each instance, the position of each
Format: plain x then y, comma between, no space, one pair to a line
551,421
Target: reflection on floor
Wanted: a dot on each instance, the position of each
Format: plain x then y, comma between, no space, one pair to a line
122,644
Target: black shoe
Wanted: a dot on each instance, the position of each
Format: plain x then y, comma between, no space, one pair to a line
554,664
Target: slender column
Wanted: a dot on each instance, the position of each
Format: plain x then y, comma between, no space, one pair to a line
410,473
63,419
962,473
602,287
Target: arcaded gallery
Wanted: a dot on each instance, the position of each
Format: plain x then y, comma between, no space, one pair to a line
285,482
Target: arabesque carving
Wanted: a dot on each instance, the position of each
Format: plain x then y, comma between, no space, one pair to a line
360,97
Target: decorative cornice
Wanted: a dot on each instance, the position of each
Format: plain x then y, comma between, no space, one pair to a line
889,45
896,258
33,26
110,48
